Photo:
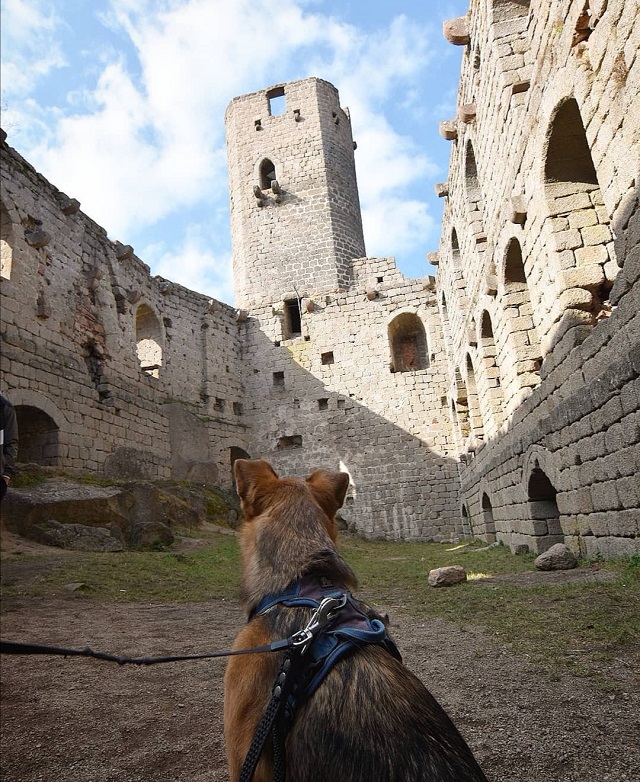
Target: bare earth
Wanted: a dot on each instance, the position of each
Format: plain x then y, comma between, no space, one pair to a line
80,720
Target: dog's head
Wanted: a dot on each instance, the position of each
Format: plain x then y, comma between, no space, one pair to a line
289,524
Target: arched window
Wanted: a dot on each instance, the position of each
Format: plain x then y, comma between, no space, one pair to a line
39,436
408,343
569,171
6,243
475,415
517,301
487,517
148,340
491,371
543,507
472,182
267,174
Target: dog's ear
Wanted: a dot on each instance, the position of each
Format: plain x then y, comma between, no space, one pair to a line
254,477
330,489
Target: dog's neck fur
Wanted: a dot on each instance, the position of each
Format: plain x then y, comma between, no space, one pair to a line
282,545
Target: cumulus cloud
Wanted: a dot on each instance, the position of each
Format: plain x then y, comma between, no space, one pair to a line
143,140
29,45
193,264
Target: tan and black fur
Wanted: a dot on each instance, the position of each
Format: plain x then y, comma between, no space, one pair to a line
371,720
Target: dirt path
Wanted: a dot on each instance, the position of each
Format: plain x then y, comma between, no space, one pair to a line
77,720
80,720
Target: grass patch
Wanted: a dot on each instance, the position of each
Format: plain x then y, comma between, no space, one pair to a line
579,627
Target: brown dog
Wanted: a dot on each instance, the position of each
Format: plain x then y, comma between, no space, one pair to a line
370,720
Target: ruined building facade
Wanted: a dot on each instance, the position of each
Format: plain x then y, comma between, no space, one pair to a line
499,399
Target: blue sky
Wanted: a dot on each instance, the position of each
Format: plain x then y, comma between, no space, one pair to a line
120,104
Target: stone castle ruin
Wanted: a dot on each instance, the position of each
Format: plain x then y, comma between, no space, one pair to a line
500,399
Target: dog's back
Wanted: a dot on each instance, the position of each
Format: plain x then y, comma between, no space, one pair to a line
371,720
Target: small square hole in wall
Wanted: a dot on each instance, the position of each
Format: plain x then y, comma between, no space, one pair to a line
443,401
327,358
218,405
296,403
293,441
323,404
277,343
237,408
380,279
350,500
307,338
342,404
278,379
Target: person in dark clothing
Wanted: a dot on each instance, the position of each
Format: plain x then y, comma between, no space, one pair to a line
8,443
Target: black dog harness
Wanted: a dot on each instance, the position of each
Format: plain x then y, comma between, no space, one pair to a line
338,626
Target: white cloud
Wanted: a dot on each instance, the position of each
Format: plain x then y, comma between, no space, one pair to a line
29,45
194,265
147,141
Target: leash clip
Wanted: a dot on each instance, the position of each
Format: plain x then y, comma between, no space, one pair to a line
324,613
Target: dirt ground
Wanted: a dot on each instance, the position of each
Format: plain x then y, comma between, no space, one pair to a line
80,720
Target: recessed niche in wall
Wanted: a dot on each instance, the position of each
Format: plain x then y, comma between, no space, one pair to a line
327,358
218,405
289,442
278,379
341,404
237,408
323,404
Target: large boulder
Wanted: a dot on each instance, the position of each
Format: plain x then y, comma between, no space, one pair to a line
77,537
446,576
558,557
142,512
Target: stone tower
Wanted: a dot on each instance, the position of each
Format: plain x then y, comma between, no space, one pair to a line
295,212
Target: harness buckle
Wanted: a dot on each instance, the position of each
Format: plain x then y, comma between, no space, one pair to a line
325,612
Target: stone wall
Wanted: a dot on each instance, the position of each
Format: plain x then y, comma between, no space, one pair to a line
500,399
539,259
110,369
362,389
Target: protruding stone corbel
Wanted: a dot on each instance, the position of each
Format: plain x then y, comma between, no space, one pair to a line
165,287
433,258
134,296
449,129
241,316
68,206
257,124
308,305
372,294
456,31
441,189
296,115
490,284
123,251
212,306
467,113
37,237
259,195
518,209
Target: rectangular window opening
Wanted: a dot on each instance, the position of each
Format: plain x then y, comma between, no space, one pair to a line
218,405
292,441
323,404
293,318
341,404
277,101
237,408
278,379
327,358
